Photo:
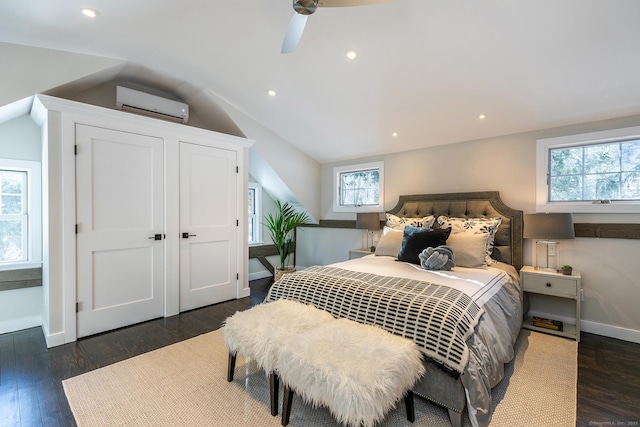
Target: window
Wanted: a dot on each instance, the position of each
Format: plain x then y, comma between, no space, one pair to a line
13,216
359,188
255,213
597,172
20,214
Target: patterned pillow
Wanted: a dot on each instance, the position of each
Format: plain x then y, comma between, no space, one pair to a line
394,221
473,226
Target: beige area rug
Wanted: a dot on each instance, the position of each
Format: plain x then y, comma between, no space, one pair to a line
185,385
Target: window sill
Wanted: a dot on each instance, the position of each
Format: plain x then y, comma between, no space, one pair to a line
20,266
20,278
587,208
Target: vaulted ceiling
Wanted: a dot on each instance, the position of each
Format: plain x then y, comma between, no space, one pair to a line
426,69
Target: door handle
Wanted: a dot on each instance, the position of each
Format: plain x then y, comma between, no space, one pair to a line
156,237
187,235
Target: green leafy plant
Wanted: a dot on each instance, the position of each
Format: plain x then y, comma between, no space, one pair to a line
280,226
567,270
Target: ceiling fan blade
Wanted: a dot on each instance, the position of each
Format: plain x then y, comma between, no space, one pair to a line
294,32
337,3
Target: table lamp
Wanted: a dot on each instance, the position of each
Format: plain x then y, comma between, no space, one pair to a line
548,227
368,221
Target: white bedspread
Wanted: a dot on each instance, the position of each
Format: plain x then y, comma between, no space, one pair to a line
479,284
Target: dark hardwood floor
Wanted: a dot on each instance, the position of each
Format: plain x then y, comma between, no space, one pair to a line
608,382
31,391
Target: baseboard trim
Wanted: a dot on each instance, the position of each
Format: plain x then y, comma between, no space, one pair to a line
610,331
244,292
53,340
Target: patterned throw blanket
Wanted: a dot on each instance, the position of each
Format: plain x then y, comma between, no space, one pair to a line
438,318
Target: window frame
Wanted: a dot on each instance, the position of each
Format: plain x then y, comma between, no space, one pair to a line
356,168
257,216
33,251
543,148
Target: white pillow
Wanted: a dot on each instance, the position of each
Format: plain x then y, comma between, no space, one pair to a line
473,226
399,222
390,242
469,249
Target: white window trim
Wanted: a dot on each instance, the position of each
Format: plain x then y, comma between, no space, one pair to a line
34,203
258,201
352,168
542,163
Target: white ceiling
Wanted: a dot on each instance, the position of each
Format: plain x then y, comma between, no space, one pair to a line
426,68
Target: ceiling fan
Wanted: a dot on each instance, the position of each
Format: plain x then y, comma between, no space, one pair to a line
304,8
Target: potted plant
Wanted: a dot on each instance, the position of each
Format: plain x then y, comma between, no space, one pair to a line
567,270
280,226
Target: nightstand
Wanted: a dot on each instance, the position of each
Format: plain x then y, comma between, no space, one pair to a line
359,253
557,285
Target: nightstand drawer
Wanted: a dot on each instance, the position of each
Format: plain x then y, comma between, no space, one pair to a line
550,285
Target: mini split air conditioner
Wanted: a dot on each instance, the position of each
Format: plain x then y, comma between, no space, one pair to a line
138,102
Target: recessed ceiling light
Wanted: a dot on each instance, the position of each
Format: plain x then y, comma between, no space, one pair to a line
272,92
352,54
482,116
90,13
394,134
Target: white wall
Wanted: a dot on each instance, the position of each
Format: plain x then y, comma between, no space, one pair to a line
28,70
285,172
20,308
322,246
610,271
20,139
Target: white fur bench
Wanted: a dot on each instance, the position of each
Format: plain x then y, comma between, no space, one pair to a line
259,332
358,371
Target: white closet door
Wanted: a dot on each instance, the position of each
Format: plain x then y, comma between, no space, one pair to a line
119,191
208,225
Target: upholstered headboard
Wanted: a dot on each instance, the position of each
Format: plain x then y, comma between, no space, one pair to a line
485,204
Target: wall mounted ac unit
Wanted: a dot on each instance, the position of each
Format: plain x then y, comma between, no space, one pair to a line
150,105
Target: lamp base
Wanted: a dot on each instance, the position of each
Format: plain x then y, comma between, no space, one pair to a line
547,256
365,239
368,240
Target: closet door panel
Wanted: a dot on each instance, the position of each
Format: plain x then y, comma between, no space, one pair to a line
208,223
120,205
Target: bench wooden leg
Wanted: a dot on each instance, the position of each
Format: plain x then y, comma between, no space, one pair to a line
408,403
274,389
287,399
231,366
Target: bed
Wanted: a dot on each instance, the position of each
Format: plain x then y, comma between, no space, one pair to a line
466,353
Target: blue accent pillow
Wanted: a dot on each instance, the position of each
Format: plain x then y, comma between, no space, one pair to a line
415,240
